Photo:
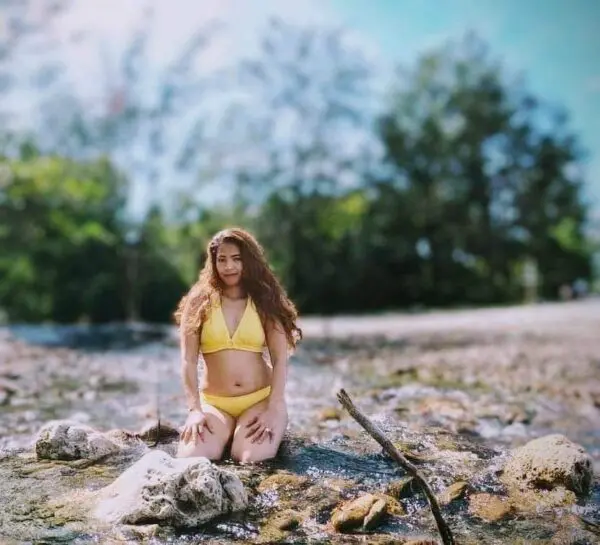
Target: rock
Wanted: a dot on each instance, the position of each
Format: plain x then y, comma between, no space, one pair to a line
549,462
319,500
8,389
575,530
573,536
283,481
330,413
158,432
123,437
66,440
402,488
393,506
278,525
375,514
365,511
455,491
489,507
536,501
440,407
4,397
137,533
518,414
181,492
287,520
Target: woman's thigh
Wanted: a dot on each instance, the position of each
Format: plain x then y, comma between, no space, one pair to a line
212,444
243,450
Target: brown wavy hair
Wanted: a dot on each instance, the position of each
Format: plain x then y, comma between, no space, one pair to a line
258,280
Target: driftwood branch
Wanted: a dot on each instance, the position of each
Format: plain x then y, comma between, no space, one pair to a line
390,449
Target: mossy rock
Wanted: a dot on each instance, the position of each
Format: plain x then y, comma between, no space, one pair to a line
403,488
455,491
490,508
284,483
363,512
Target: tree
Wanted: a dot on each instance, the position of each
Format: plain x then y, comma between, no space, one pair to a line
150,124
465,146
150,120
551,211
61,238
303,138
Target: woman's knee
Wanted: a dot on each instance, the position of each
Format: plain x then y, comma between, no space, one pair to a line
248,455
212,451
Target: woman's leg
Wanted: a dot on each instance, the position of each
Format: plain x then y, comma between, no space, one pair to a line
243,450
212,444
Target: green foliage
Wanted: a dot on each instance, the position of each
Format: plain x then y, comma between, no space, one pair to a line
476,180
60,239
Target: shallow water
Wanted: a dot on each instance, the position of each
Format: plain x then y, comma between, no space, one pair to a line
123,377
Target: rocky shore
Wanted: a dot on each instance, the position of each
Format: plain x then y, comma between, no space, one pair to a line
501,421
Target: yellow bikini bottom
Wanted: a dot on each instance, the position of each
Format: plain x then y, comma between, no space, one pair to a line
236,405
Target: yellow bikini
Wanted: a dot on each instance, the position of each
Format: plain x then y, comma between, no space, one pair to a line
236,405
249,336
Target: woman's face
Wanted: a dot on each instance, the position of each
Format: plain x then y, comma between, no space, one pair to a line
229,264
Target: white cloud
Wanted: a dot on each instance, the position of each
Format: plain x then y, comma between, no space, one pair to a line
94,33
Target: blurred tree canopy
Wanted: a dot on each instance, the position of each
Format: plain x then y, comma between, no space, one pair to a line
440,193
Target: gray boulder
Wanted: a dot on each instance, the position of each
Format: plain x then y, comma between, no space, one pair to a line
68,440
180,492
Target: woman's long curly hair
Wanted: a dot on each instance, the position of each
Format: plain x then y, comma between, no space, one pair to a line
259,282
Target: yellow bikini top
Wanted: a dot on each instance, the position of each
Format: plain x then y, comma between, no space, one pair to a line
249,334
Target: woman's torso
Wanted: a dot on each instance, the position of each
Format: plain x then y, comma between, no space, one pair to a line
233,372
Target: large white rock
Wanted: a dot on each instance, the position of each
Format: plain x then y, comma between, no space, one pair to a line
549,462
183,492
68,440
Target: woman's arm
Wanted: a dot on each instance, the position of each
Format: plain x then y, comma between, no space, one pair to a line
190,346
278,350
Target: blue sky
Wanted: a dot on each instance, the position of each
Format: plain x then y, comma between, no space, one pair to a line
555,43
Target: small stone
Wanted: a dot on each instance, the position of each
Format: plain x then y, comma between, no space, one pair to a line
141,532
365,511
377,511
320,501
455,491
159,432
330,413
282,480
5,397
402,488
286,520
489,507
393,506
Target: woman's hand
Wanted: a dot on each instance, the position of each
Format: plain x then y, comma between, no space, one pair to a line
194,427
261,427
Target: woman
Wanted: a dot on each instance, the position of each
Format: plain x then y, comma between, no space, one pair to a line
235,310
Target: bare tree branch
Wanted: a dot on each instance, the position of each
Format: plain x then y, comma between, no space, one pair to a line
392,451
